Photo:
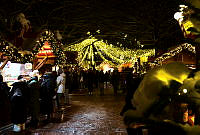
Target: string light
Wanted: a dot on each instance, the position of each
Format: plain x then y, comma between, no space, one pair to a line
116,54
14,54
173,52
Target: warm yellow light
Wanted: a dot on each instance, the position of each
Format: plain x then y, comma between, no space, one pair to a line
179,16
187,24
166,77
184,90
104,49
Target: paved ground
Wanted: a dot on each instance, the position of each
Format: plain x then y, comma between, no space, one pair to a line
88,115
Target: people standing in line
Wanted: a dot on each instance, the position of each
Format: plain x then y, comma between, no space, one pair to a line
34,107
101,78
19,100
61,91
5,106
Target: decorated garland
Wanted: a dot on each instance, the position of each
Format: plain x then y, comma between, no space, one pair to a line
173,52
91,47
7,49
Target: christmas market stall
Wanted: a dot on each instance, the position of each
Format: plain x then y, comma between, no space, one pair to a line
184,53
14,62
48,52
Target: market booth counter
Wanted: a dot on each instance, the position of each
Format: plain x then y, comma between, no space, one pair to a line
10,72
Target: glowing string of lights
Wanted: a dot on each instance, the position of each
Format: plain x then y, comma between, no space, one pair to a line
119,55
86,52
173,52
107,52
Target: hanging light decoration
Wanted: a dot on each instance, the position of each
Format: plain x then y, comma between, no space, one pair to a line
116,55
172,53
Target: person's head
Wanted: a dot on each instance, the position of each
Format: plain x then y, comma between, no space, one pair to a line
19,77
60,71
34,73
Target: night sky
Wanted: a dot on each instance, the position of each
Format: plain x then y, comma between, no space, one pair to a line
125,21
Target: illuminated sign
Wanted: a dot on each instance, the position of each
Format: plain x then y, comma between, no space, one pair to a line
28,65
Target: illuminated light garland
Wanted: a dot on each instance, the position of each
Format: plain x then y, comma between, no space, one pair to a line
119,55
92,56
100,54
7,49
86,52
111,56
173,52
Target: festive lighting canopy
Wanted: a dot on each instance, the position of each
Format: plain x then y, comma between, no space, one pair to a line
92,48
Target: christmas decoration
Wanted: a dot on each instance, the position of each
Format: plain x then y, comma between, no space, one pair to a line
158,61
91,48
9,50
55,44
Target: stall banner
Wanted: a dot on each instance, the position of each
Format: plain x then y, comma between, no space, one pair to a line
12,70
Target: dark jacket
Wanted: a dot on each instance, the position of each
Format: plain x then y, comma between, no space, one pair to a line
34,88
5,107
47,91
19,96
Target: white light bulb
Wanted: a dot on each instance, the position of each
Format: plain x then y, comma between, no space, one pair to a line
184,90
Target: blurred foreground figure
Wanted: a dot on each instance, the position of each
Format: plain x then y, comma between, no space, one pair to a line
19,104
159,99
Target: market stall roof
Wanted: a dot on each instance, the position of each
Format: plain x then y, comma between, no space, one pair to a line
172,52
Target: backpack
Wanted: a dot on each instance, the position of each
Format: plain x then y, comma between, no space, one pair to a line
17,93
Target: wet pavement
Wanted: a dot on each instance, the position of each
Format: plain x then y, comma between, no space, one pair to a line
88,115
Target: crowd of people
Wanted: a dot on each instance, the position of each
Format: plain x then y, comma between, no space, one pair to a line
31,98
93,79
40,95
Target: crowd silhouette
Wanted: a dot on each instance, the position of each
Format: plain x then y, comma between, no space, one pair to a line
40,95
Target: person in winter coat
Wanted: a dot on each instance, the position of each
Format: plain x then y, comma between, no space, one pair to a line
61,80
19,104
47,92
5,107
34,104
